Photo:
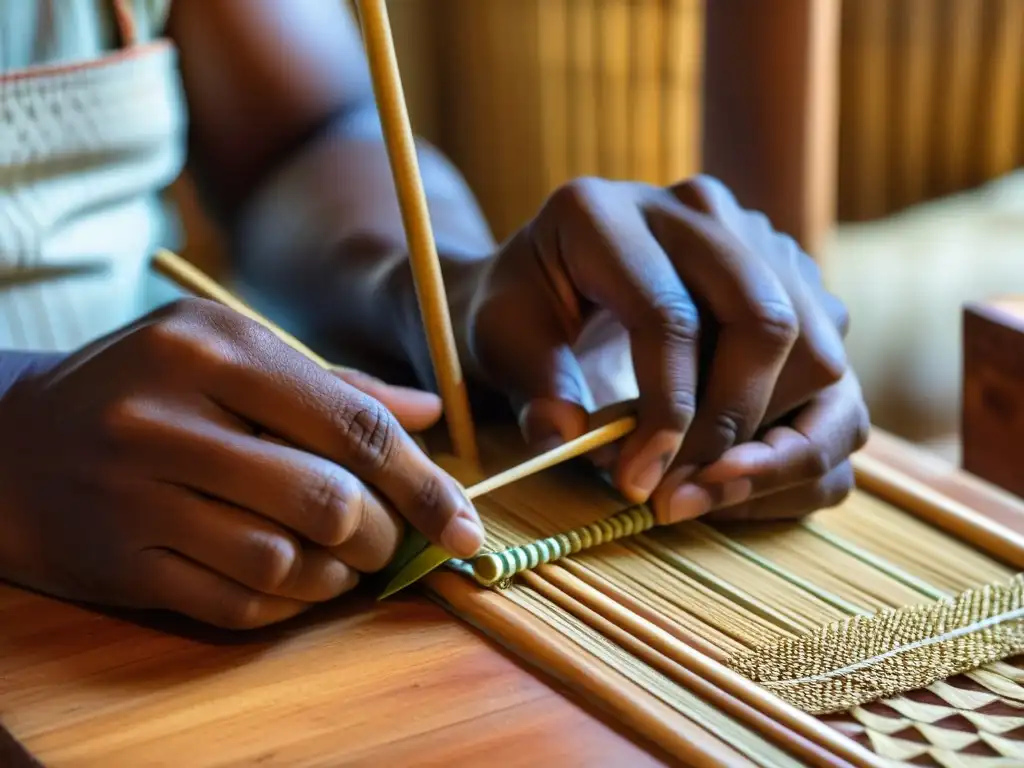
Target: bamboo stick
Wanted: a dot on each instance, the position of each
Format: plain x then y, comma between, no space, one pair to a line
531,639
714,673
192,279
553,587
940,510
426,269
591,441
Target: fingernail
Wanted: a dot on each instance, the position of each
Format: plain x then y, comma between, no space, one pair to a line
734,492
462,537
688,502
647,480
661,450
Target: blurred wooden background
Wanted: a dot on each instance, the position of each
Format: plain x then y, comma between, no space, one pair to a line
526,94
931,100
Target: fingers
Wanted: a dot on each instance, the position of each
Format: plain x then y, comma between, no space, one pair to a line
821,436
251,550
415,410
311,496
802,455
523,341
172,582
614,262
798,501
313,410
756,326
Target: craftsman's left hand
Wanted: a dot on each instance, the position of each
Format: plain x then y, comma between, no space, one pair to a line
716,322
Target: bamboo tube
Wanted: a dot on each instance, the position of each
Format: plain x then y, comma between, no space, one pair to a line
910,146
426,269
934,507
959,94
647,86
684,48
531,639
716,674
612,66
656,657
553,24
583,88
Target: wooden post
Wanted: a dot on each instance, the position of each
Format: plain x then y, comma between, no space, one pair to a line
770,109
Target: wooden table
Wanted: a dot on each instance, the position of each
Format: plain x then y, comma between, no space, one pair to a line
358,683
399,683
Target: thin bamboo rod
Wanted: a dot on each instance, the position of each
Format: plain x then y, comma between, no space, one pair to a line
719,676
591,441
430,290
531,639
192,279
658,656
928,504
630,603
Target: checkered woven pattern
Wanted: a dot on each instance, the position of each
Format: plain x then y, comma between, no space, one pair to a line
969,721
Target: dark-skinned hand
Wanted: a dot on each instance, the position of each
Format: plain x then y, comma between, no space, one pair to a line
717,326
194,462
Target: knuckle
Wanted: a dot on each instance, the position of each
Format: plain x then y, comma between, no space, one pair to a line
777,322
575,197
275,560
729,427
676,319
681,405
333,508
371,432
125,419
702,192
184,337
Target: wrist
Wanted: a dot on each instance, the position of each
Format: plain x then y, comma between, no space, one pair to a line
462,274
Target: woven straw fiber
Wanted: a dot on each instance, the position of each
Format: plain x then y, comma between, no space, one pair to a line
974,720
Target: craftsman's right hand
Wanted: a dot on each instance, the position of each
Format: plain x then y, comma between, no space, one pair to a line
194,462
686,307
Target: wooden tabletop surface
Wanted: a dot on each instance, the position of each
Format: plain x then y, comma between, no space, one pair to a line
357,683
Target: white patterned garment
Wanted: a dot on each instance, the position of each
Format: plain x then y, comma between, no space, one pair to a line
92,130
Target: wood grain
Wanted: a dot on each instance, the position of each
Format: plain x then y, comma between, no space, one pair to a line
992,426
397,683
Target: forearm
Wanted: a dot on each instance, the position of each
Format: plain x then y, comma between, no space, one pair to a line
323,241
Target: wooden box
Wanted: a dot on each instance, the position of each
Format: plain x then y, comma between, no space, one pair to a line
992,415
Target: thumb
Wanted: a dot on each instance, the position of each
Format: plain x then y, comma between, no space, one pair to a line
526,355
414,409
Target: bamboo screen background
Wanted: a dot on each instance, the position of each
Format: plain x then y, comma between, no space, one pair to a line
526,94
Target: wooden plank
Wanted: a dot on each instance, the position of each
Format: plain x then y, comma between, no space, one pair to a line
359,683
